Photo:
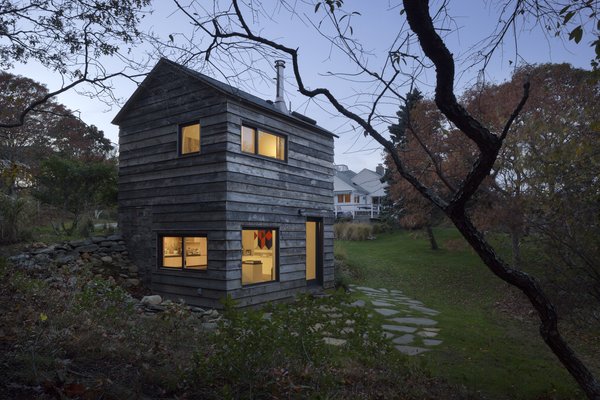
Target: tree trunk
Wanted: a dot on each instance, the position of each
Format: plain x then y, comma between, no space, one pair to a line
546,311
432,242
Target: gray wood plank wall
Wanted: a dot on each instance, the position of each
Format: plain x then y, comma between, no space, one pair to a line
219,191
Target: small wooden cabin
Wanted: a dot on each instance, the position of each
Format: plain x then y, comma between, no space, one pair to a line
223,193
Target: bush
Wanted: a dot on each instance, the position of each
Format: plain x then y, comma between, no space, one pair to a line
16,215
280,351
353,231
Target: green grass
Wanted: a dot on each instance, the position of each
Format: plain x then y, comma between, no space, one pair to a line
484,349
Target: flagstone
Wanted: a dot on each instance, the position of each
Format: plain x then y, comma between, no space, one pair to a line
404,339
386,311
410,350
399,328
431,342
414,321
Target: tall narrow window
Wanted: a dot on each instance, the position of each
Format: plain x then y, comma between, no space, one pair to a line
259,255
263,143
184,252
248,140
189,138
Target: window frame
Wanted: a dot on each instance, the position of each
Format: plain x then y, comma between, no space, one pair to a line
264,228
182,235
180,127
344,197
256,130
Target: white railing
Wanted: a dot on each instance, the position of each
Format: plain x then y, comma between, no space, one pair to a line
370,210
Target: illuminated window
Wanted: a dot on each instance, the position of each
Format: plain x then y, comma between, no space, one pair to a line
184,252
343,198
189,136
259,255
263,143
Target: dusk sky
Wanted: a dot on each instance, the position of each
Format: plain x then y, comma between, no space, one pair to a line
376,27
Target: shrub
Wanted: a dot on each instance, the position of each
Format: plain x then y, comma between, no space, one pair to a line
353,231
15,217
277,351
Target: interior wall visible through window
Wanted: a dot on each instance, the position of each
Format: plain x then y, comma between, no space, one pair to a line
259,255
263,143
184,252
189,138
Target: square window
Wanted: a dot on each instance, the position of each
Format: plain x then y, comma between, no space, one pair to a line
184,252
259,255
189,138
270,145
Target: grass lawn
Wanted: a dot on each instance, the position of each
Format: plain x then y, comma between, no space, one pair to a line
486,348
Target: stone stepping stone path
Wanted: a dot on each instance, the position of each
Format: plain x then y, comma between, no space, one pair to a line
406,322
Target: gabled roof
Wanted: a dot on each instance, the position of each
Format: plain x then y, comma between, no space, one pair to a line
365,182
224,88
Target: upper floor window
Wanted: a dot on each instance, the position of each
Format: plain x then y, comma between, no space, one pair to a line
189,138
184,252
256,141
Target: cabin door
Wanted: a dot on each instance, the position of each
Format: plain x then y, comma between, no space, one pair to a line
314,251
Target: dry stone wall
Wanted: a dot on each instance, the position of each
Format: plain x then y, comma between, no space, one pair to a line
105,255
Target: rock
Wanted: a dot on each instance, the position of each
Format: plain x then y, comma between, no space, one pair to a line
97,239
45,250
106,259
410,350
386,311
415,321
89,248
132,282
334,341
151,300
404,339
431,342
42,258
358,303
108,243
117,248
19,258
115,237
79,243
377,303
209,326
197,310
65,259
398,328
133,269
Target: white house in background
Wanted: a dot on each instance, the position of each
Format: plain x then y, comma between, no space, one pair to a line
358,195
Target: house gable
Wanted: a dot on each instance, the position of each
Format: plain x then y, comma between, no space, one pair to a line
216,194
370,181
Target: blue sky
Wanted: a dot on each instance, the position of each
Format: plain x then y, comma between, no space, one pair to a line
376,27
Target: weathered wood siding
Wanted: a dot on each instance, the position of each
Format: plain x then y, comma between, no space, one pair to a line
160,191
263,192
219,191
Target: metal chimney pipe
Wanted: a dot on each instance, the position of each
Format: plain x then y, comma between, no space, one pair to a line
279,100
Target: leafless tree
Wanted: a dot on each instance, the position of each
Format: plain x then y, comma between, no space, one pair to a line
417,48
